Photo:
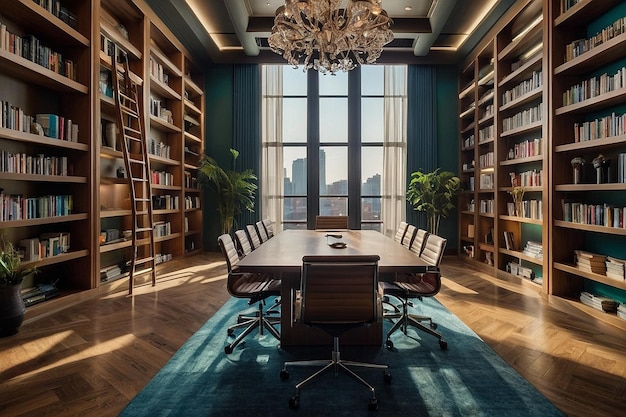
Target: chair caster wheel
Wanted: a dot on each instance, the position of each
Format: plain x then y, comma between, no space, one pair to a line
228,349
284,375
373,404
389,344
294,402
443,344
387,378
433,326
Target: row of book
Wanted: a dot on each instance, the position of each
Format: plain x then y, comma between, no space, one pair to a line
162,228
30,48
18,207
165,202
518,269
190,180
51,125
580,46
526,149
532,178
528,209
158,148
595,87
594,214
162,178
39,164
192,202
59,10
604,127
157,70
523,118
534,82
44,246
485,134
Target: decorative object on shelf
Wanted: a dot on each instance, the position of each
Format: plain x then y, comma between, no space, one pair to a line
601,165
577,166
319,34
235,190
36,128
518,196
120,173
12,308
110,134
433,193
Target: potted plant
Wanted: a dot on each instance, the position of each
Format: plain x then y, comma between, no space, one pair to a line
433,192
234,189
12,307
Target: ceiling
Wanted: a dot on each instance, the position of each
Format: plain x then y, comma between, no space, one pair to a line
236,31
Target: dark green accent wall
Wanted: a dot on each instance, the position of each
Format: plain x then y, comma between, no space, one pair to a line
447,140
218,89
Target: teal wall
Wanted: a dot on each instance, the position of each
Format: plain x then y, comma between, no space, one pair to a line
219,138
448,140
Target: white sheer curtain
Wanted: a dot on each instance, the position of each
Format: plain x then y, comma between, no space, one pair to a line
272,184
394,149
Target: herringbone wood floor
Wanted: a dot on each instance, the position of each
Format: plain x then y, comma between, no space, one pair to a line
91,359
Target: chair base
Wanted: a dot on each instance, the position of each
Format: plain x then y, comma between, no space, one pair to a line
336,364
257,321
405,320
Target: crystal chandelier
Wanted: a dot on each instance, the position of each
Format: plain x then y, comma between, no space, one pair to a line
318,34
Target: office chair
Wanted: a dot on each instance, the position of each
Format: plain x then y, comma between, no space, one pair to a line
337,293
418,242
253,286
269,227
415,286
331,223
409,235
262,232
255,240
400,232
243,243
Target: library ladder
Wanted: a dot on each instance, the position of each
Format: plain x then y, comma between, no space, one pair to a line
131,121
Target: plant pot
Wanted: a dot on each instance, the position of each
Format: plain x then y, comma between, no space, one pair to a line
12,309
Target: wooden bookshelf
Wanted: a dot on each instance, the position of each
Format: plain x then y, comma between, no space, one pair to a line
97,192
62,90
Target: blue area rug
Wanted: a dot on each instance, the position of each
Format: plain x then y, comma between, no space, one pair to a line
467,379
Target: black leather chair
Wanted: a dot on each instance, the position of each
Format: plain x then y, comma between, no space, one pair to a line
337,293
253,286
406,287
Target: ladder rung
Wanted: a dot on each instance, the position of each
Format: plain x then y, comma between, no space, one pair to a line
142,199
144,229
137,161
131,130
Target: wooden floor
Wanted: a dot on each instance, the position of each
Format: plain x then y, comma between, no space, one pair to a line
91,359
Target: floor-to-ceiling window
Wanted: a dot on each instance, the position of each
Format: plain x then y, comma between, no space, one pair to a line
334,145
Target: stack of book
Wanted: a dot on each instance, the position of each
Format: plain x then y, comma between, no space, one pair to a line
110,273
534,249
39,293
591,262
605,304
615,268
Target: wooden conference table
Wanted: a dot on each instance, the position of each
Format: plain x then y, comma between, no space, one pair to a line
282,255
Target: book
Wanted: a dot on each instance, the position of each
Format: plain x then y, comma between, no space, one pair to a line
49,123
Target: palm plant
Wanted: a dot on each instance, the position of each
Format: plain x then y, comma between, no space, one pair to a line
235,190
433,192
